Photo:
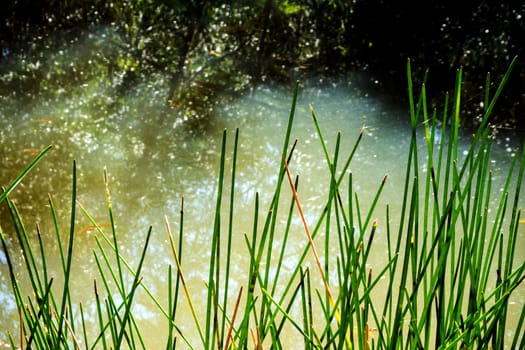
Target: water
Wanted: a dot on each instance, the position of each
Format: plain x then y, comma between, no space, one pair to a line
155,156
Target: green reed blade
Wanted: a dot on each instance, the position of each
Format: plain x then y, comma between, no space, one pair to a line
284,243
321,138
112,316
126,264
269,226
84,329
452,152
486,96
331,166
109,302
373,204
101,323
518,333
515,213
306,304
181,236
37,278
271,220
413,117
107,266
498,92
350,205
26,249
456,302
286,315
58,235
173,295
69,255
399,313
171,301
253,271
118,260
135,339
430,135
278,327
491,315
35,329
213,278
39,328
230,237
24,172
331,192
115,320
342,238
402,214
443,137
456,120
25,316
184,284
12,276
42,254
482,129
136,282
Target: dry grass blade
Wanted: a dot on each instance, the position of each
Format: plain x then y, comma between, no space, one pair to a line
229,338
72,332
309,235
312,246
256,338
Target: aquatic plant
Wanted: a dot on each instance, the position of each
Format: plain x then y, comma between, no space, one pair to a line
450,274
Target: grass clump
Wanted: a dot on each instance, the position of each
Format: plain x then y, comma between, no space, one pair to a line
450,273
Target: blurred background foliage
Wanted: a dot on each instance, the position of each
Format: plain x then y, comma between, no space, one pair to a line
214,50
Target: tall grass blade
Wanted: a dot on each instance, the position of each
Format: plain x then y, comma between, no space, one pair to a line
24,172
129,299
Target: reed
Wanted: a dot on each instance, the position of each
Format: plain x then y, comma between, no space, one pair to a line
450,273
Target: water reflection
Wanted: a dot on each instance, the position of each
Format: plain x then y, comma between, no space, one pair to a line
155,156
